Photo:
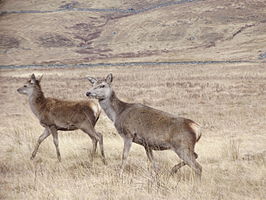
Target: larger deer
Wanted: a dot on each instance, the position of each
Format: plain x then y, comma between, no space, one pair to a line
59,115
149,127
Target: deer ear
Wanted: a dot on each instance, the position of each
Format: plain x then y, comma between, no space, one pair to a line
109,78
92,80
33,78
40,78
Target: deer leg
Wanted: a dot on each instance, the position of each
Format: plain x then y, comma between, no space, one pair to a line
94,145
42,137
101,146
177,167
56,142
149,154
94,136
181,164
127,146
189,159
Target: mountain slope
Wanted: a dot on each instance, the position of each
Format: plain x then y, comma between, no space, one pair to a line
192,30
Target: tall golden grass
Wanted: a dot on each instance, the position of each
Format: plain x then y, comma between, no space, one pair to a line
227,100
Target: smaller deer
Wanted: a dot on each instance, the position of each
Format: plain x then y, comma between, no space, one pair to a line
149,127
59,115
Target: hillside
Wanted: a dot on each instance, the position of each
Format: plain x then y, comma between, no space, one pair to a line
72,32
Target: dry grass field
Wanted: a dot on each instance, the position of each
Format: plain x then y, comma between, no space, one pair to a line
228,100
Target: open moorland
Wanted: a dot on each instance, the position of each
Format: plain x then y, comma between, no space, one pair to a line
227,100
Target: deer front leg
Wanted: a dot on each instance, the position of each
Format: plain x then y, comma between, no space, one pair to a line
127,146
42,137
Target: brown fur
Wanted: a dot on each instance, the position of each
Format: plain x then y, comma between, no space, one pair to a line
55,114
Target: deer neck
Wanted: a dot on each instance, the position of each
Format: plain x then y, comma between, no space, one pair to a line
37,101
112,106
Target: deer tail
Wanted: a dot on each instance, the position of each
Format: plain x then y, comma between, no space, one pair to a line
196,128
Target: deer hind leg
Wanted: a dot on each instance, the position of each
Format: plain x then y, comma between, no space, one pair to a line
177,167
96,137
42,137
94,145
189,159
56,143
101,146
149,154
181,164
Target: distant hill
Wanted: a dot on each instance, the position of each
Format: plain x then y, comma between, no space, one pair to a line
72,32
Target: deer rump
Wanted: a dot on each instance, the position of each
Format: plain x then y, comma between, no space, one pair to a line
156,129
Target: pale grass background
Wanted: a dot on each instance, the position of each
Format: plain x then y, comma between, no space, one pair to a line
227,100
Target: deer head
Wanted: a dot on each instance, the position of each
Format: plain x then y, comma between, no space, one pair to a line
101,89
31,85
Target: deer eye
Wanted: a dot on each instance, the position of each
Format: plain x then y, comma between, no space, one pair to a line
25,86
102,86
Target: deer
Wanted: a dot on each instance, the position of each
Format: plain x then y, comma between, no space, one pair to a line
61,115
153,129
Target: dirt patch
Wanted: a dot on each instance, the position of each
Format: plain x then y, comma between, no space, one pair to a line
7,42
55,40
